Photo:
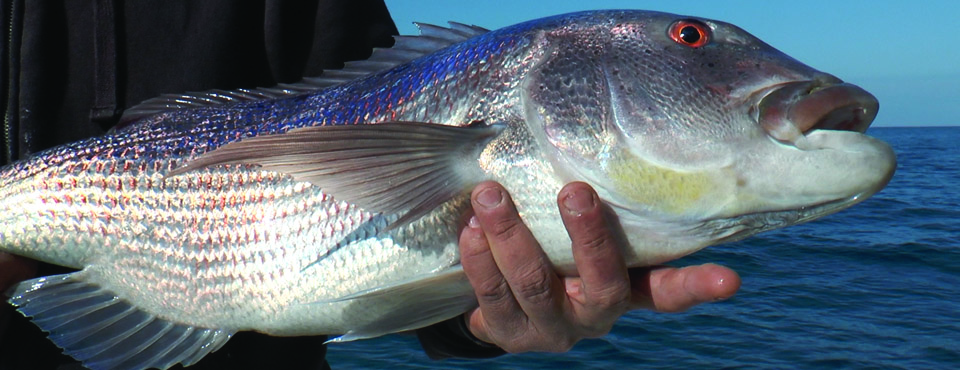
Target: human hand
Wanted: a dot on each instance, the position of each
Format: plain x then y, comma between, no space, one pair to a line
525,306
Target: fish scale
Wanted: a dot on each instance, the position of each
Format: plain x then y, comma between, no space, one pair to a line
333,206
188,219
162,142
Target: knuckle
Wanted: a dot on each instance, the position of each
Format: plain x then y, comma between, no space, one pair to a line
493,290
594,239
534,287
505,228
614,297
471,251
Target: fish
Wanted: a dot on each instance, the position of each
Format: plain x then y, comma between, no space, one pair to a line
332,206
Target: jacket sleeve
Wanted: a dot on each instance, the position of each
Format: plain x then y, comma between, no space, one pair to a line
452,338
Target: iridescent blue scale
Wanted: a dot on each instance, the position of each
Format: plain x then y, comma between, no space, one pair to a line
333,206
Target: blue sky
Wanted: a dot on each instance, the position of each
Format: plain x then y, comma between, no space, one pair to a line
907,53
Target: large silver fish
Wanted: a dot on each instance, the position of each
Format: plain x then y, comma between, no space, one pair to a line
332,206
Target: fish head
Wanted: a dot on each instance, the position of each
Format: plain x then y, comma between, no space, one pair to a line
696,129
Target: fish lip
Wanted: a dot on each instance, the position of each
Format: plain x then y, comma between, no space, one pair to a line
792,109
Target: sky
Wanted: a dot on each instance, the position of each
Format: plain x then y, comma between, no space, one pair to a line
907,53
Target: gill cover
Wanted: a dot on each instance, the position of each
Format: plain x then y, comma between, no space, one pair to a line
574,103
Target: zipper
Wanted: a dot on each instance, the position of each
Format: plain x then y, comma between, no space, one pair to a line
12,91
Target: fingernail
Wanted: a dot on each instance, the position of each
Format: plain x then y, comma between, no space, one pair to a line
573,286
489,197
473,222
579,201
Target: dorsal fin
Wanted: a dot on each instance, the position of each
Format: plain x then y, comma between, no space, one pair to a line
405,49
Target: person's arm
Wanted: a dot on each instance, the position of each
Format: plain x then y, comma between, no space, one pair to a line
14,269
525,306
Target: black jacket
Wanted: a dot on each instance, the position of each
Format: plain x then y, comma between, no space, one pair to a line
71,67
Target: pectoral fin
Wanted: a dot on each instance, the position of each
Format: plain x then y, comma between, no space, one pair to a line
404,168
412,304
102,331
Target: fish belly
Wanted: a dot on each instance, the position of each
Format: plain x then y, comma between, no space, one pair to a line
229,247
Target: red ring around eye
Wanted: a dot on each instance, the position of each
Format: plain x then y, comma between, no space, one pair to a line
690,33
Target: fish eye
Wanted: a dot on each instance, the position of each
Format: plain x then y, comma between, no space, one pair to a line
690,33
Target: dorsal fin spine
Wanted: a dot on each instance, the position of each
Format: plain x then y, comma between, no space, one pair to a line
405,49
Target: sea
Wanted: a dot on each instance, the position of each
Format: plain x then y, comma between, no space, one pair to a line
874,286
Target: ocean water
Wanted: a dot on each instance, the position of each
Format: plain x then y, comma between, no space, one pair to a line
874,286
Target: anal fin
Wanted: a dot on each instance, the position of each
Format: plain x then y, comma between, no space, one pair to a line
413,304
102,331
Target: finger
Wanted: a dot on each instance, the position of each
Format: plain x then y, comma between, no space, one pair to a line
668,289
14,269
604,284
523,264
493,293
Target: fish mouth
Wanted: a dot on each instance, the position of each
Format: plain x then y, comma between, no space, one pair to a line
825,162
790,111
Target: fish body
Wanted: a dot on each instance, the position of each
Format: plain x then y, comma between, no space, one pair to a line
335,208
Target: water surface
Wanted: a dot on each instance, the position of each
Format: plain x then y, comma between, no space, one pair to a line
877,285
